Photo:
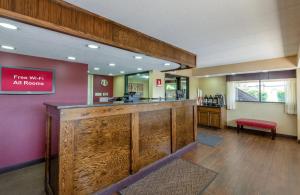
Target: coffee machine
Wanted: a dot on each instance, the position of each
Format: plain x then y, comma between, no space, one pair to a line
220,100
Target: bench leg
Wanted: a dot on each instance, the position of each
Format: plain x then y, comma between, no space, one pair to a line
238,129
273,133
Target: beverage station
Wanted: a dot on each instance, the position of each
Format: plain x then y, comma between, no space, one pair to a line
216,100
211,110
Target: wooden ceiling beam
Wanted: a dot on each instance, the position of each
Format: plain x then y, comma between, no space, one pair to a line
66,18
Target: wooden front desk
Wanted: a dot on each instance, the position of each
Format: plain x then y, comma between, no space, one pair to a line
92,147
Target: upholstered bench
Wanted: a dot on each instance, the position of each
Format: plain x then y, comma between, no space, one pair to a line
271,126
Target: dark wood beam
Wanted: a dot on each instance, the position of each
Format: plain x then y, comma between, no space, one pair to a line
66,18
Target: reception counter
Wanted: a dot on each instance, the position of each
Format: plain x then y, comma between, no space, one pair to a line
89,147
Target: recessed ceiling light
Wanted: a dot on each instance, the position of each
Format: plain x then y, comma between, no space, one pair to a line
232,73
138,57
122,71
264,71
112,64
8,26
92,46
139,69
7,47
167,64
96,68
206,75
110,74
71,58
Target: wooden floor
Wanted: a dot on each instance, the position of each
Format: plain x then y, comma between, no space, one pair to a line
250,164
245,163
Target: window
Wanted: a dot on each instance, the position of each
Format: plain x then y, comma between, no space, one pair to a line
247,91
272,91
176,87
261,91
138,83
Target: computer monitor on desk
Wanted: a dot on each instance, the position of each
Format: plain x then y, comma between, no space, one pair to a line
132,97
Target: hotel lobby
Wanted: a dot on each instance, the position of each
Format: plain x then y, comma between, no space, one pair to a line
152,97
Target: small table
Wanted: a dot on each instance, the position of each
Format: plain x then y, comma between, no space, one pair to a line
257,123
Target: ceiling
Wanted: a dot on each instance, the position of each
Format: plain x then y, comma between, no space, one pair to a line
218,31
35,41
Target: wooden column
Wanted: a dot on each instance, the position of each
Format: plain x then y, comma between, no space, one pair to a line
173,118
298,104
134,142
66,158
195,123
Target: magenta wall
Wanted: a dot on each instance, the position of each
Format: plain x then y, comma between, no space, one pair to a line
22,117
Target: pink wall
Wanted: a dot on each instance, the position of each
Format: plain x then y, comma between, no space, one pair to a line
98,88
22,117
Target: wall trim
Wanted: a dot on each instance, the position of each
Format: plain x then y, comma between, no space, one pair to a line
258,132
275,64
21,165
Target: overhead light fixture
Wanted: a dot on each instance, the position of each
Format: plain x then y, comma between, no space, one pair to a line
112,64
110,74
8,26
122,71
7,47
232,73
139,69
206,75
138,57
96,68
92,46
167,64
264,71
71,58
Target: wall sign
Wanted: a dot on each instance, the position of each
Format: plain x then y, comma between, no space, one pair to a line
158,83
104,82
16,80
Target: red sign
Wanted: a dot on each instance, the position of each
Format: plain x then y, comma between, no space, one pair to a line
18,80
158,83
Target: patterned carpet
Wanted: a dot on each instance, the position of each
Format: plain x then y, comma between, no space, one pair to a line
179,177
26,181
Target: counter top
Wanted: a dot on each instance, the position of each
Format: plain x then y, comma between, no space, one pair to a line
59,105
208,106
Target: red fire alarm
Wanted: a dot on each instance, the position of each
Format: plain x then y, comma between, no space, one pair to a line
158,83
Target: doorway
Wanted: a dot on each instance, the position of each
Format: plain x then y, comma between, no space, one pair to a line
176,87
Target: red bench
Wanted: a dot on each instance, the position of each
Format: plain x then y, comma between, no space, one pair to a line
258,124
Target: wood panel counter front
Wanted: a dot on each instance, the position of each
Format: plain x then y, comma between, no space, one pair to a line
92,147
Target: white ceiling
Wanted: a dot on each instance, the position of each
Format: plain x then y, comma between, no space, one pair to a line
35,41
218,31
